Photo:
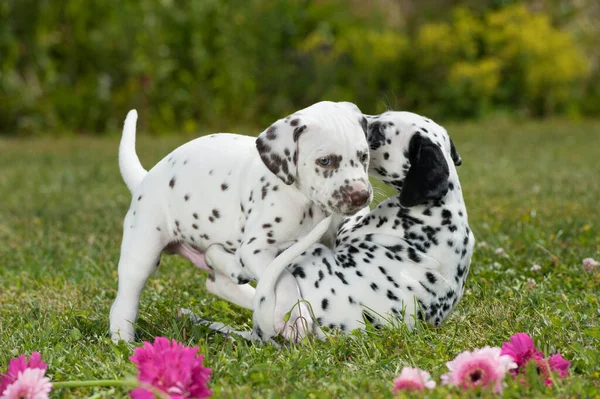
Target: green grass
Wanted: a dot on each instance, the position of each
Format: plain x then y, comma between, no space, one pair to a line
531,188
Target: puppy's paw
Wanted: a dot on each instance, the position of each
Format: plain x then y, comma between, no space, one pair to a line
294,326
118,335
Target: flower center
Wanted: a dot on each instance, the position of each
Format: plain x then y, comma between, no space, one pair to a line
476,376
528,356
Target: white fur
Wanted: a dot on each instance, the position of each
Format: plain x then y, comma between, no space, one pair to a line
129,163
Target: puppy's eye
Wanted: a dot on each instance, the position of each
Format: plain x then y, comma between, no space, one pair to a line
325,161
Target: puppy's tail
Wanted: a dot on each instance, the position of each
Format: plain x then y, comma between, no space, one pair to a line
131,168
264,297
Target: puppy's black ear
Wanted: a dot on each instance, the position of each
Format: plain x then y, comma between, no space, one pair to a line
427,177
278,147
455,155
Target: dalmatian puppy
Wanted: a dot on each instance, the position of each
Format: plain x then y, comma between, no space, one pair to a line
409,257
228,203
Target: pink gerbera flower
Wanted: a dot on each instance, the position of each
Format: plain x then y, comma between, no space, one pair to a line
413,379
30,384
521,349
20,364
485,367
559,365
172,368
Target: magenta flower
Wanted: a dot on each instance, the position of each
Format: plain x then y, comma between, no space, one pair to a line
30,384
559,364
171,368
521,349
413,379
555,363
485,367
20,364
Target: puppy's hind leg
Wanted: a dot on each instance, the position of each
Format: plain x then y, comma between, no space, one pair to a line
140,254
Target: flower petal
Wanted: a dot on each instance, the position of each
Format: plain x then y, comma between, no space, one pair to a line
171,367
560,364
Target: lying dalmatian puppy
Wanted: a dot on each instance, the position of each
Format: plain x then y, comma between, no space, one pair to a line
228,203
407,257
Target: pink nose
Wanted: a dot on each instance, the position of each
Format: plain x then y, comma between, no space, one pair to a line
359,197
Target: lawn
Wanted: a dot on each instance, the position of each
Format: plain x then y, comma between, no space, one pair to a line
531,188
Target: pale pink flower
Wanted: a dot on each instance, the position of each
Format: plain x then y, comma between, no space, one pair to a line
482,244
484,367
413,379
590,265
172,368
20,364
499,251
30,384
521,349
536,268
530,283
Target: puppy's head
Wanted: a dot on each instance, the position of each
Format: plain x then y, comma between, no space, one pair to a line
412,154
323,150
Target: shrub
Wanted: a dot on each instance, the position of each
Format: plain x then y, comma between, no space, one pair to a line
542,65
80,66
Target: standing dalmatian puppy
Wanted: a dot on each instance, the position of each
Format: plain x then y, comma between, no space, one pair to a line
409,257
228,203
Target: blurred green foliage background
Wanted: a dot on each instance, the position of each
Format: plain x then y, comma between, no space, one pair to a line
72,66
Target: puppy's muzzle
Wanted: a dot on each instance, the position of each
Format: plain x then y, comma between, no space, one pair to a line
356,198
359,199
